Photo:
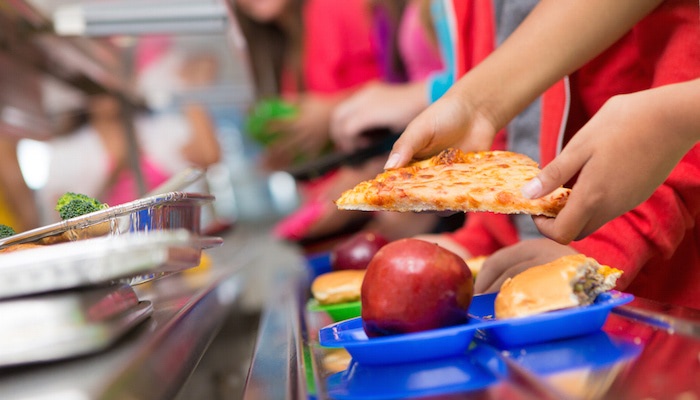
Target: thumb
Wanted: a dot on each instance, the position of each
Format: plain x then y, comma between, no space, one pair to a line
554,174
409,145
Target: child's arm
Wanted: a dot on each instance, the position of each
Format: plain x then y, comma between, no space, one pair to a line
554,40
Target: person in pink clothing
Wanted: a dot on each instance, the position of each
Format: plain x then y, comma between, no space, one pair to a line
634,47
313,53
410,55
417,42
394,101
166,141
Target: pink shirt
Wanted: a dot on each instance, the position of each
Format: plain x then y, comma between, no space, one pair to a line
124,189
340,51
420,55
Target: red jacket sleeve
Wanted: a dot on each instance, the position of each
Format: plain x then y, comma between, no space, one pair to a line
484,233
656,244
660,231
340,51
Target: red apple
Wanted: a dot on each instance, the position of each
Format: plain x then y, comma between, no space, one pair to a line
357,251
412,285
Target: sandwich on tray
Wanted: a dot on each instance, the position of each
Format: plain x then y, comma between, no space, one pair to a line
338,286
569,281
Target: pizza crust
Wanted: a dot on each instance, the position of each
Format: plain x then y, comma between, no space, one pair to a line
456,181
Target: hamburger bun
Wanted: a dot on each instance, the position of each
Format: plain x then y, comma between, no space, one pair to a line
336,360
569,281
338,286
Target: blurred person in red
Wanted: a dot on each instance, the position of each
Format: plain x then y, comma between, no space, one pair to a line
312,54
463,33
417,47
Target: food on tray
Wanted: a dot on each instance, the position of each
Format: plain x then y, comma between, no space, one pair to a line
357,251
570,281
412,285
6,231
19,246
457,181
72,205
337,287
475,264
336,360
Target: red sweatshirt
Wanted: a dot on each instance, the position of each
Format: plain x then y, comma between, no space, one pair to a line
339,49
656,244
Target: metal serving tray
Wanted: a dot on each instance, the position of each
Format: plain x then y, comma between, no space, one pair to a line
131,257
167,211
67,324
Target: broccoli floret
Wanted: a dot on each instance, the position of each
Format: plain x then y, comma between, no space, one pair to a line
6,231
76,208
69,196
72,205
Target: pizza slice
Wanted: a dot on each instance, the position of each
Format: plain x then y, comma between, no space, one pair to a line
456,181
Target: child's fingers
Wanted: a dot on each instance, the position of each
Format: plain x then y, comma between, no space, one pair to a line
556,173
575,221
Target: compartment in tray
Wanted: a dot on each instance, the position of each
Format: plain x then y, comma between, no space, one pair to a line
338,312
421,379
543,327
591,351
403,348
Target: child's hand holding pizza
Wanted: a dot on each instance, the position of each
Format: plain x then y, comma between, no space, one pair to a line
621,155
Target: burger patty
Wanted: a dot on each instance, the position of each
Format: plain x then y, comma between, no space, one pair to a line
590,285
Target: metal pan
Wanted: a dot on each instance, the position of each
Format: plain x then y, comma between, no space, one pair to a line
67,324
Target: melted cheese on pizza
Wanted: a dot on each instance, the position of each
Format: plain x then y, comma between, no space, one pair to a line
457,181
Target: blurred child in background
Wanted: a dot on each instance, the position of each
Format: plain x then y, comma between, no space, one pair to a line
93,158
313,54
416,56
464,33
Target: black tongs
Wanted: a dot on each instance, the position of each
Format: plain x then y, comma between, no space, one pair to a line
382,141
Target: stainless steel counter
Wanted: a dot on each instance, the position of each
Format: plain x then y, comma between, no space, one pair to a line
239,329
159,359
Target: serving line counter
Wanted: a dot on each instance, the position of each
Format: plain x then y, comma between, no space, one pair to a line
645,350
161,357
239,328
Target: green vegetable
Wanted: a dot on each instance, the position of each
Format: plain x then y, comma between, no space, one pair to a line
6,231
266,111
72,205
